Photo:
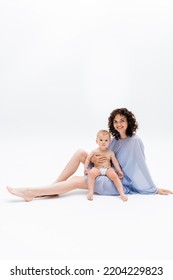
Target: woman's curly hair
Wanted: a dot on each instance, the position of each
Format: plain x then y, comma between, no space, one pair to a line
131,120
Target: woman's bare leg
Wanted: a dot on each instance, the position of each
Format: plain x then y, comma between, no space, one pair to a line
73,164
76,182
71,167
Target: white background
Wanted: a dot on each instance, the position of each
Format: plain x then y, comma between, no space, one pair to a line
64,66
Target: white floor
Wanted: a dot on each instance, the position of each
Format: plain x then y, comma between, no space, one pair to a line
69,226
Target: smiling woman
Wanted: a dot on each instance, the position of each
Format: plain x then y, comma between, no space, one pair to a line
122,123
129,151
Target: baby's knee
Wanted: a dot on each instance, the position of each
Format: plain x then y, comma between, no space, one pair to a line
94,172
112,174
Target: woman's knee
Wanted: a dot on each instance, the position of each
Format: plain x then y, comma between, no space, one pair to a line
81,155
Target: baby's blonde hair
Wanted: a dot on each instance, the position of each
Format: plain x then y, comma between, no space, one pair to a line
104,132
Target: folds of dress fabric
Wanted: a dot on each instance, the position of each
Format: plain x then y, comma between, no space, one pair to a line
137,178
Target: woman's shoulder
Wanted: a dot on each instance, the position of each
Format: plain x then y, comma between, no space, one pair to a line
135,137
126,141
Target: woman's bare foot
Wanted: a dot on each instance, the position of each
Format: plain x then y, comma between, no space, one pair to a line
26,194
164,192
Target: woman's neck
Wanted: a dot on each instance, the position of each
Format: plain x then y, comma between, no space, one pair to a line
123,136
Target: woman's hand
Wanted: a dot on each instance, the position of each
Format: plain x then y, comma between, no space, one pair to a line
164,192
98,159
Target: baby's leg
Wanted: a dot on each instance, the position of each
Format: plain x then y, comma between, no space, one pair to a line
93,173
114,177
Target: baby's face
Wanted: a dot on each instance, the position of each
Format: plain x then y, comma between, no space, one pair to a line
103,141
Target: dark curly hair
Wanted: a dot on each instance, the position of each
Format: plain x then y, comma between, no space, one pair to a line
131,120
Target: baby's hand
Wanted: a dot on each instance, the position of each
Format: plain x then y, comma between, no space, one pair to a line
85,171
120,174
90,196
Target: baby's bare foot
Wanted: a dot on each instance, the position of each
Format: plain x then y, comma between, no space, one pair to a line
90,196
26,194
124,197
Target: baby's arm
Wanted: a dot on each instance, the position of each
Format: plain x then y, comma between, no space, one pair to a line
116,165
87,162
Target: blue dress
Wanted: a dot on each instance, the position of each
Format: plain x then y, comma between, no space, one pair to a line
137,179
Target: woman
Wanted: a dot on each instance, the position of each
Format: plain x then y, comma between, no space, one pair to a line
129,151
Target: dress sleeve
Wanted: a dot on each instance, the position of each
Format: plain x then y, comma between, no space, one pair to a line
135,167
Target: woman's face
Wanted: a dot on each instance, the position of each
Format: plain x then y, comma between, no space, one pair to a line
120,124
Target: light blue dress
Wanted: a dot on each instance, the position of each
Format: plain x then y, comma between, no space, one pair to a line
137,179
